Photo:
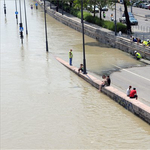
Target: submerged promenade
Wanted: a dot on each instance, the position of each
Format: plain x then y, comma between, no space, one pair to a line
45,105
136,107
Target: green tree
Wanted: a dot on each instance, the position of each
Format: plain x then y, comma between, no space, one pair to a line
101,4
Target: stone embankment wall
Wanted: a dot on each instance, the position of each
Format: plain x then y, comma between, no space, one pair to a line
103,35
134,106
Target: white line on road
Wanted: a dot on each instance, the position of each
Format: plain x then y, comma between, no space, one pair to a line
132,73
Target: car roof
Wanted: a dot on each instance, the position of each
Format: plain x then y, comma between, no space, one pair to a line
132,18
130,13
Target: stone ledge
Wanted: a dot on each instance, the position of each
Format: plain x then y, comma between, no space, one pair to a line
136,107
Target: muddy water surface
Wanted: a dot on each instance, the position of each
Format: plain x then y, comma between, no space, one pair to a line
45,106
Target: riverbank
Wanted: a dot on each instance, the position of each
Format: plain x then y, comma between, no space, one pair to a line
101,34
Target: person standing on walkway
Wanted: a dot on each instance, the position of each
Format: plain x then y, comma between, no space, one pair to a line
129,90
70,57
104,15
111,17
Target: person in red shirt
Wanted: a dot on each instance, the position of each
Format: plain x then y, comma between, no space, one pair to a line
133,94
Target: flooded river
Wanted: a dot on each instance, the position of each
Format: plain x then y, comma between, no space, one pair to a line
46,106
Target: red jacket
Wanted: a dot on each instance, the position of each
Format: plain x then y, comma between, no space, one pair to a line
132,93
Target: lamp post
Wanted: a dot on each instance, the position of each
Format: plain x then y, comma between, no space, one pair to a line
115,20
16,12
4,8
62,7
21,25
45,27
84,60
131,5
25,17
50,4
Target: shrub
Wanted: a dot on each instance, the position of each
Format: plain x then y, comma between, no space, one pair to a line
121,27
74,12
90,19
66,8
95,20
99,22
86,14
109,25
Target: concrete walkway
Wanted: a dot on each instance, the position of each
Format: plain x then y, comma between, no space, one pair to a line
115,94
136,107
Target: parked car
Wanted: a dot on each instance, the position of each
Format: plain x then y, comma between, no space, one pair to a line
137,4
132,20
142,5
122,19
91,9
96,9
147,6
129,13
105,8
134,5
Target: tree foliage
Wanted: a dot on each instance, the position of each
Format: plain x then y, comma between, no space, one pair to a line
74,7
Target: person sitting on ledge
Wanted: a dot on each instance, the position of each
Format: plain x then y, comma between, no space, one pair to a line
81,68
134,39
145,43
104,82
108,81
137,55
129,90
133,94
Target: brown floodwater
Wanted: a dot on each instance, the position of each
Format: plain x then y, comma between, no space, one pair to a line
46,106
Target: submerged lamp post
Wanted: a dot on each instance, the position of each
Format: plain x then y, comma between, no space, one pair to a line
115,20
16,12
45,27
50,4
131,5
25,17
21,25
62,7
84,60
4,8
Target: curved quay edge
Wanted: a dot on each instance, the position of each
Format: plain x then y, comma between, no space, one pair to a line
136,107
139,109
